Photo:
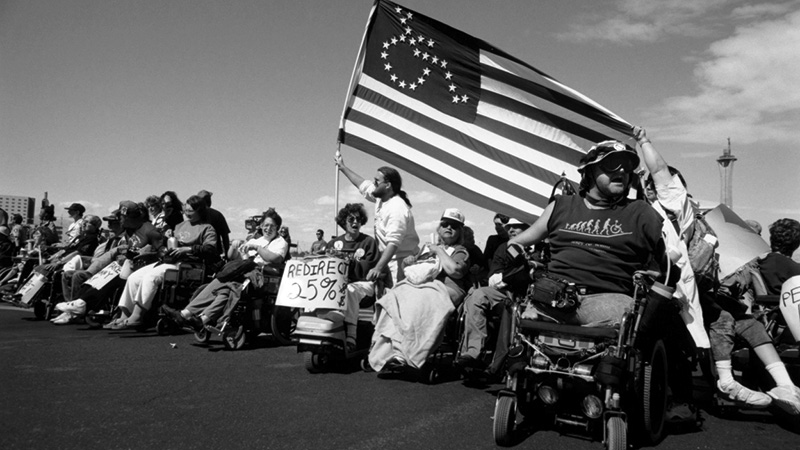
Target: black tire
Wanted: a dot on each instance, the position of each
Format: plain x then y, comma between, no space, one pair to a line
49,309
654,394
39,310
505,420
314,362
234,339
163,327
429,374
202,336
283,322
616,434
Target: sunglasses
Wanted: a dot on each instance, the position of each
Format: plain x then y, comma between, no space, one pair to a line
616,162
354,220
453,225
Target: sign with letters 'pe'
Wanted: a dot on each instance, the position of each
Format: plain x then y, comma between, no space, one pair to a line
790,304
314,283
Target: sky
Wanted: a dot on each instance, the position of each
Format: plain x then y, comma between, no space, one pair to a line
107,100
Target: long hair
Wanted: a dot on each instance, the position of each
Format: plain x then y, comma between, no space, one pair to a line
392,176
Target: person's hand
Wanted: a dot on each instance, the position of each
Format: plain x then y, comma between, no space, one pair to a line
640,135
373,274
338,159
409,260
496,281
180,251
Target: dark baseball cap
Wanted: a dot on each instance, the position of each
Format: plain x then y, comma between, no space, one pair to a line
76,207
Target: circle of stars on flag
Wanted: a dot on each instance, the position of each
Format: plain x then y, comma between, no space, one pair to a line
422,48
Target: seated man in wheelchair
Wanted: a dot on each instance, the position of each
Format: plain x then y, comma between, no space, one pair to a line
600,238
210,303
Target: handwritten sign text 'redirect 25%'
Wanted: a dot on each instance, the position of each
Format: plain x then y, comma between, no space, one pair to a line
314,283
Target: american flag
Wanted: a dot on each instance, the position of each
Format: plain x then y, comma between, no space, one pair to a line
465,116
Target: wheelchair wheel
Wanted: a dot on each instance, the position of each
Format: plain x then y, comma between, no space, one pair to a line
365,365
654,393
315,362
283,322
49,309
40,310
616,433
234,339
505,419
429,373
202,336
163,326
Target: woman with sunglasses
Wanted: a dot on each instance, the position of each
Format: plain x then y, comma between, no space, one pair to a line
394,224
410,318
599,238
171,210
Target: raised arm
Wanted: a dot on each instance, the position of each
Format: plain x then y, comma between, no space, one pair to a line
354,178
655,163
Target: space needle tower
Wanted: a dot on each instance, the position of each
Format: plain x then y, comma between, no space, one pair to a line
726,176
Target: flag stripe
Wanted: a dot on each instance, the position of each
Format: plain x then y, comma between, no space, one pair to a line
526,212
411,132
551,160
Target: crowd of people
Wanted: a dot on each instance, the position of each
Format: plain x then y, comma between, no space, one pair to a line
597,240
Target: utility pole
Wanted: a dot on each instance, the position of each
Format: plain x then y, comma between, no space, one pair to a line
726,176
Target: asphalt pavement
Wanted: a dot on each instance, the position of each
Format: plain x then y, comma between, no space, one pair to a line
69,387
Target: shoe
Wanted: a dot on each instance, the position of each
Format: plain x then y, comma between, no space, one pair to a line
680,412
173,314
64,319
125,324
740,394
76,307
110,325
60,317
350,343
786,398
468,362
395,362
193,322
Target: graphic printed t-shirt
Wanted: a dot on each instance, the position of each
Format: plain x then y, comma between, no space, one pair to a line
602,248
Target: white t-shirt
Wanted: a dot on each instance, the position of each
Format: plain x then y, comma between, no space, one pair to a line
394,223
277,246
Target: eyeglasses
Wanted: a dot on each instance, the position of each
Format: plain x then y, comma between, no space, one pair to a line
377,182
353,220
267,226
453,225
166,205
616,162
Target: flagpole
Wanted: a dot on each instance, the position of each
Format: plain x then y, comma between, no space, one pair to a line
336,188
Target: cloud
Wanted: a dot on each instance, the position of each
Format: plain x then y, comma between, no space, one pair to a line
763,10
644,21
746,88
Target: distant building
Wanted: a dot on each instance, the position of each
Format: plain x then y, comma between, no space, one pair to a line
24,206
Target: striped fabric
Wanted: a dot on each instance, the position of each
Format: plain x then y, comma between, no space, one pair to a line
465,116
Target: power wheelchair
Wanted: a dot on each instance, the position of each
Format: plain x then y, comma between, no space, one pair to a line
593,380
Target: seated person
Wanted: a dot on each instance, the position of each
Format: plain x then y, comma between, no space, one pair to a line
410,318
83,245
7,248
134,237
195,238
210,303
42,242
362,251
478,265
729,320
171,212
484,302
600,238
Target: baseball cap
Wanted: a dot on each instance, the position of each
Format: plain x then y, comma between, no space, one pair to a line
453,214
514,223
76,207
128,208
604,149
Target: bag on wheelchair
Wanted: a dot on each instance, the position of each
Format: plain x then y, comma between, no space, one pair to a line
554,293
236,270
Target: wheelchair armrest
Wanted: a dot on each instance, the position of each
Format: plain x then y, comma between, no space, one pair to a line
768,300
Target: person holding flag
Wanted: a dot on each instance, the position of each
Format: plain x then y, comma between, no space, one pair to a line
394,224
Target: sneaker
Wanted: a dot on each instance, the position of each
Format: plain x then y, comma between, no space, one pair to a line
75,307
63,319
786,398
60,317
740,394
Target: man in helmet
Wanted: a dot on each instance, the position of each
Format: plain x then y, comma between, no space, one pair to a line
599,238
